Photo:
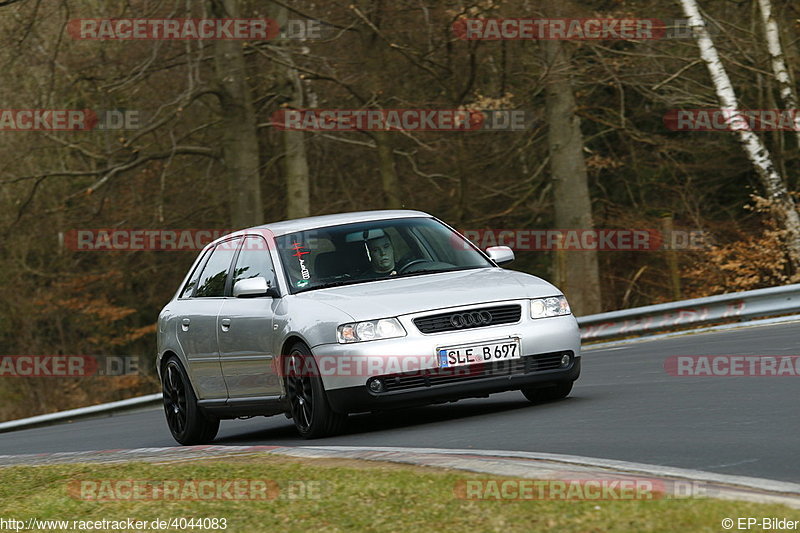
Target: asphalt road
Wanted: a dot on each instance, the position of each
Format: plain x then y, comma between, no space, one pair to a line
625,407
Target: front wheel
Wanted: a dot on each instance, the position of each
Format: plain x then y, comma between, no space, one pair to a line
547,393
187,423
309,408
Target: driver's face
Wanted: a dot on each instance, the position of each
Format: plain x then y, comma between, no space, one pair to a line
381,254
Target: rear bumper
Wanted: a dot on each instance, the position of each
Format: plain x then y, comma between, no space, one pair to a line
360,399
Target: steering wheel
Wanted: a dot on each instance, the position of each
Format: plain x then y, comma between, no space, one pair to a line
403,268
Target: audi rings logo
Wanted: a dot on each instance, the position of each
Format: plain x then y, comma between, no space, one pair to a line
471,320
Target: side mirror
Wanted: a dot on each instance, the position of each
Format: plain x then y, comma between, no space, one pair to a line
502,255
254,287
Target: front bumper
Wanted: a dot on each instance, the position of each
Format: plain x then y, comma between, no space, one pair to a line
360,399
347,389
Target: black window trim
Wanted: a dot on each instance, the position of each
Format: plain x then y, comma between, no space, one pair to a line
227,291
201,264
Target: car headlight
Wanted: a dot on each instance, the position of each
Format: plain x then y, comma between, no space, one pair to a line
545,307
370,330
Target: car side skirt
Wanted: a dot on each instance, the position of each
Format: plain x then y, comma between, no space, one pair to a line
243,407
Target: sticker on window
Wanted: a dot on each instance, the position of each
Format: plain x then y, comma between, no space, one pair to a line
299,253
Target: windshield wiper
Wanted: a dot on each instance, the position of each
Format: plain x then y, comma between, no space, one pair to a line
433,271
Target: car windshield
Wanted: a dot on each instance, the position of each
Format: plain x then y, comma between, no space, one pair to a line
375,250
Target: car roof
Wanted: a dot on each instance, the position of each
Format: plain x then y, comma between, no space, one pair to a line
303,224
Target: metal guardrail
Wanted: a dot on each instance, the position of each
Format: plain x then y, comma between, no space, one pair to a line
669,316
62,416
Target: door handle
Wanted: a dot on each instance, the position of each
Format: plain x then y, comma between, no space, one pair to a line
225,324
185,324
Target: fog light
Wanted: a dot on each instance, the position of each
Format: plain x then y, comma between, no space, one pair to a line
376,385
565,359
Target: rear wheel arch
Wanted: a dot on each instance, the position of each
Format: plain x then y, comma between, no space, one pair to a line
187,422
165,357
170,354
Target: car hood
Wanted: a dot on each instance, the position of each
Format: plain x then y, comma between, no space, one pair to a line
395,297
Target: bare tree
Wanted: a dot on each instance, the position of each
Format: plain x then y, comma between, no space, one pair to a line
783,204
386,166
374,46
298,182
573,206
239,139
778,60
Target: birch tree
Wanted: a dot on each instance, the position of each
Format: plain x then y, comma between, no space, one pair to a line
778,60
783,205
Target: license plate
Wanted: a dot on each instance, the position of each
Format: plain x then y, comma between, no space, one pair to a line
483,352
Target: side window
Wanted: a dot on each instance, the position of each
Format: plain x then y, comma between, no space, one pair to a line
215,273
189,288
254,261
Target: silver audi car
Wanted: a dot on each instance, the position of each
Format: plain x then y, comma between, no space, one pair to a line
324,316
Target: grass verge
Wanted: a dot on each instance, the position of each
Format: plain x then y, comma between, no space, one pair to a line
326,495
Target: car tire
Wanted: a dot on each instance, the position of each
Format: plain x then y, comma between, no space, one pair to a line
188,424
310,410
547,393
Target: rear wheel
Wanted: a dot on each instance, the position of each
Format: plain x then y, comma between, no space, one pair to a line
547,393
187,422
312,414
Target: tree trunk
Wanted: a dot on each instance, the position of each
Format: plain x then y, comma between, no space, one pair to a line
298,182
778,59
389,179
298,200
239,138
773,183
375,58
573,206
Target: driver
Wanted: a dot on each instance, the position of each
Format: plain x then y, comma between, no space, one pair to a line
381,256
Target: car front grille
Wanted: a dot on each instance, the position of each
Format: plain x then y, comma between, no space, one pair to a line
469,318
458,374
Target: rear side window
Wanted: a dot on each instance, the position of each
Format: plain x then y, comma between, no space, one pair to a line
254,261
189,288
215,273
